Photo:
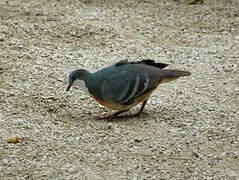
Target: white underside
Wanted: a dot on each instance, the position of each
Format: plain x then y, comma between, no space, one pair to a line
81,84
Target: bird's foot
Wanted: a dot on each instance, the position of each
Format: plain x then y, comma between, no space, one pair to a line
108,118
113,116
116,115
139,114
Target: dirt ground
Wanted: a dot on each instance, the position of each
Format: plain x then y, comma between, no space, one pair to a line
191,129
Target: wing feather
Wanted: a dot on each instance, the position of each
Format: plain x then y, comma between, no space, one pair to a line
124,87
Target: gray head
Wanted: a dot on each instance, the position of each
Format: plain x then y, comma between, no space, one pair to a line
75,77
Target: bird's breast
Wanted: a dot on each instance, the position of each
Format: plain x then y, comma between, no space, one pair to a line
113,105
121,107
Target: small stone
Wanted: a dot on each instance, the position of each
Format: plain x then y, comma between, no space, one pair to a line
109,127
137,140
195,154
195,1
13,140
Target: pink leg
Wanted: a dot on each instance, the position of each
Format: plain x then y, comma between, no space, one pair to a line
141,110
116,115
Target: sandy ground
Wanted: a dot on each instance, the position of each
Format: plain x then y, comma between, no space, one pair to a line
191,129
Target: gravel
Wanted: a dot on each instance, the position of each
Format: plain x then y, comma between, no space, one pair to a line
191,129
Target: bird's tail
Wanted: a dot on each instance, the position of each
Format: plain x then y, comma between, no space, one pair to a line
171,75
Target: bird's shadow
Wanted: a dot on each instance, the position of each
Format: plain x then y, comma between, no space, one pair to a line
123,118
158,114
162,114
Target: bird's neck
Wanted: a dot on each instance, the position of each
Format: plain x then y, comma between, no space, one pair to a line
81,84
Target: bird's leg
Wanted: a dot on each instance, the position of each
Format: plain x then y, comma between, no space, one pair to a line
138,113
142,106
116,115
141,109
110,117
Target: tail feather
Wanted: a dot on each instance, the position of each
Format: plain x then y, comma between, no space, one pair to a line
171,75
177,73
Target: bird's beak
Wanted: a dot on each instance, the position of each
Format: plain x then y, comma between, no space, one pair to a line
68,87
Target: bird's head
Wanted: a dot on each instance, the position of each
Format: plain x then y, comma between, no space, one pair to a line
77,78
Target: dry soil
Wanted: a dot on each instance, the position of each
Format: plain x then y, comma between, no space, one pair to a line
191,128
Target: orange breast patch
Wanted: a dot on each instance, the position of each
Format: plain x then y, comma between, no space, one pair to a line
99,101
117,106
112,105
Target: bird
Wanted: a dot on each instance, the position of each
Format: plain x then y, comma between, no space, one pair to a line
124,85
